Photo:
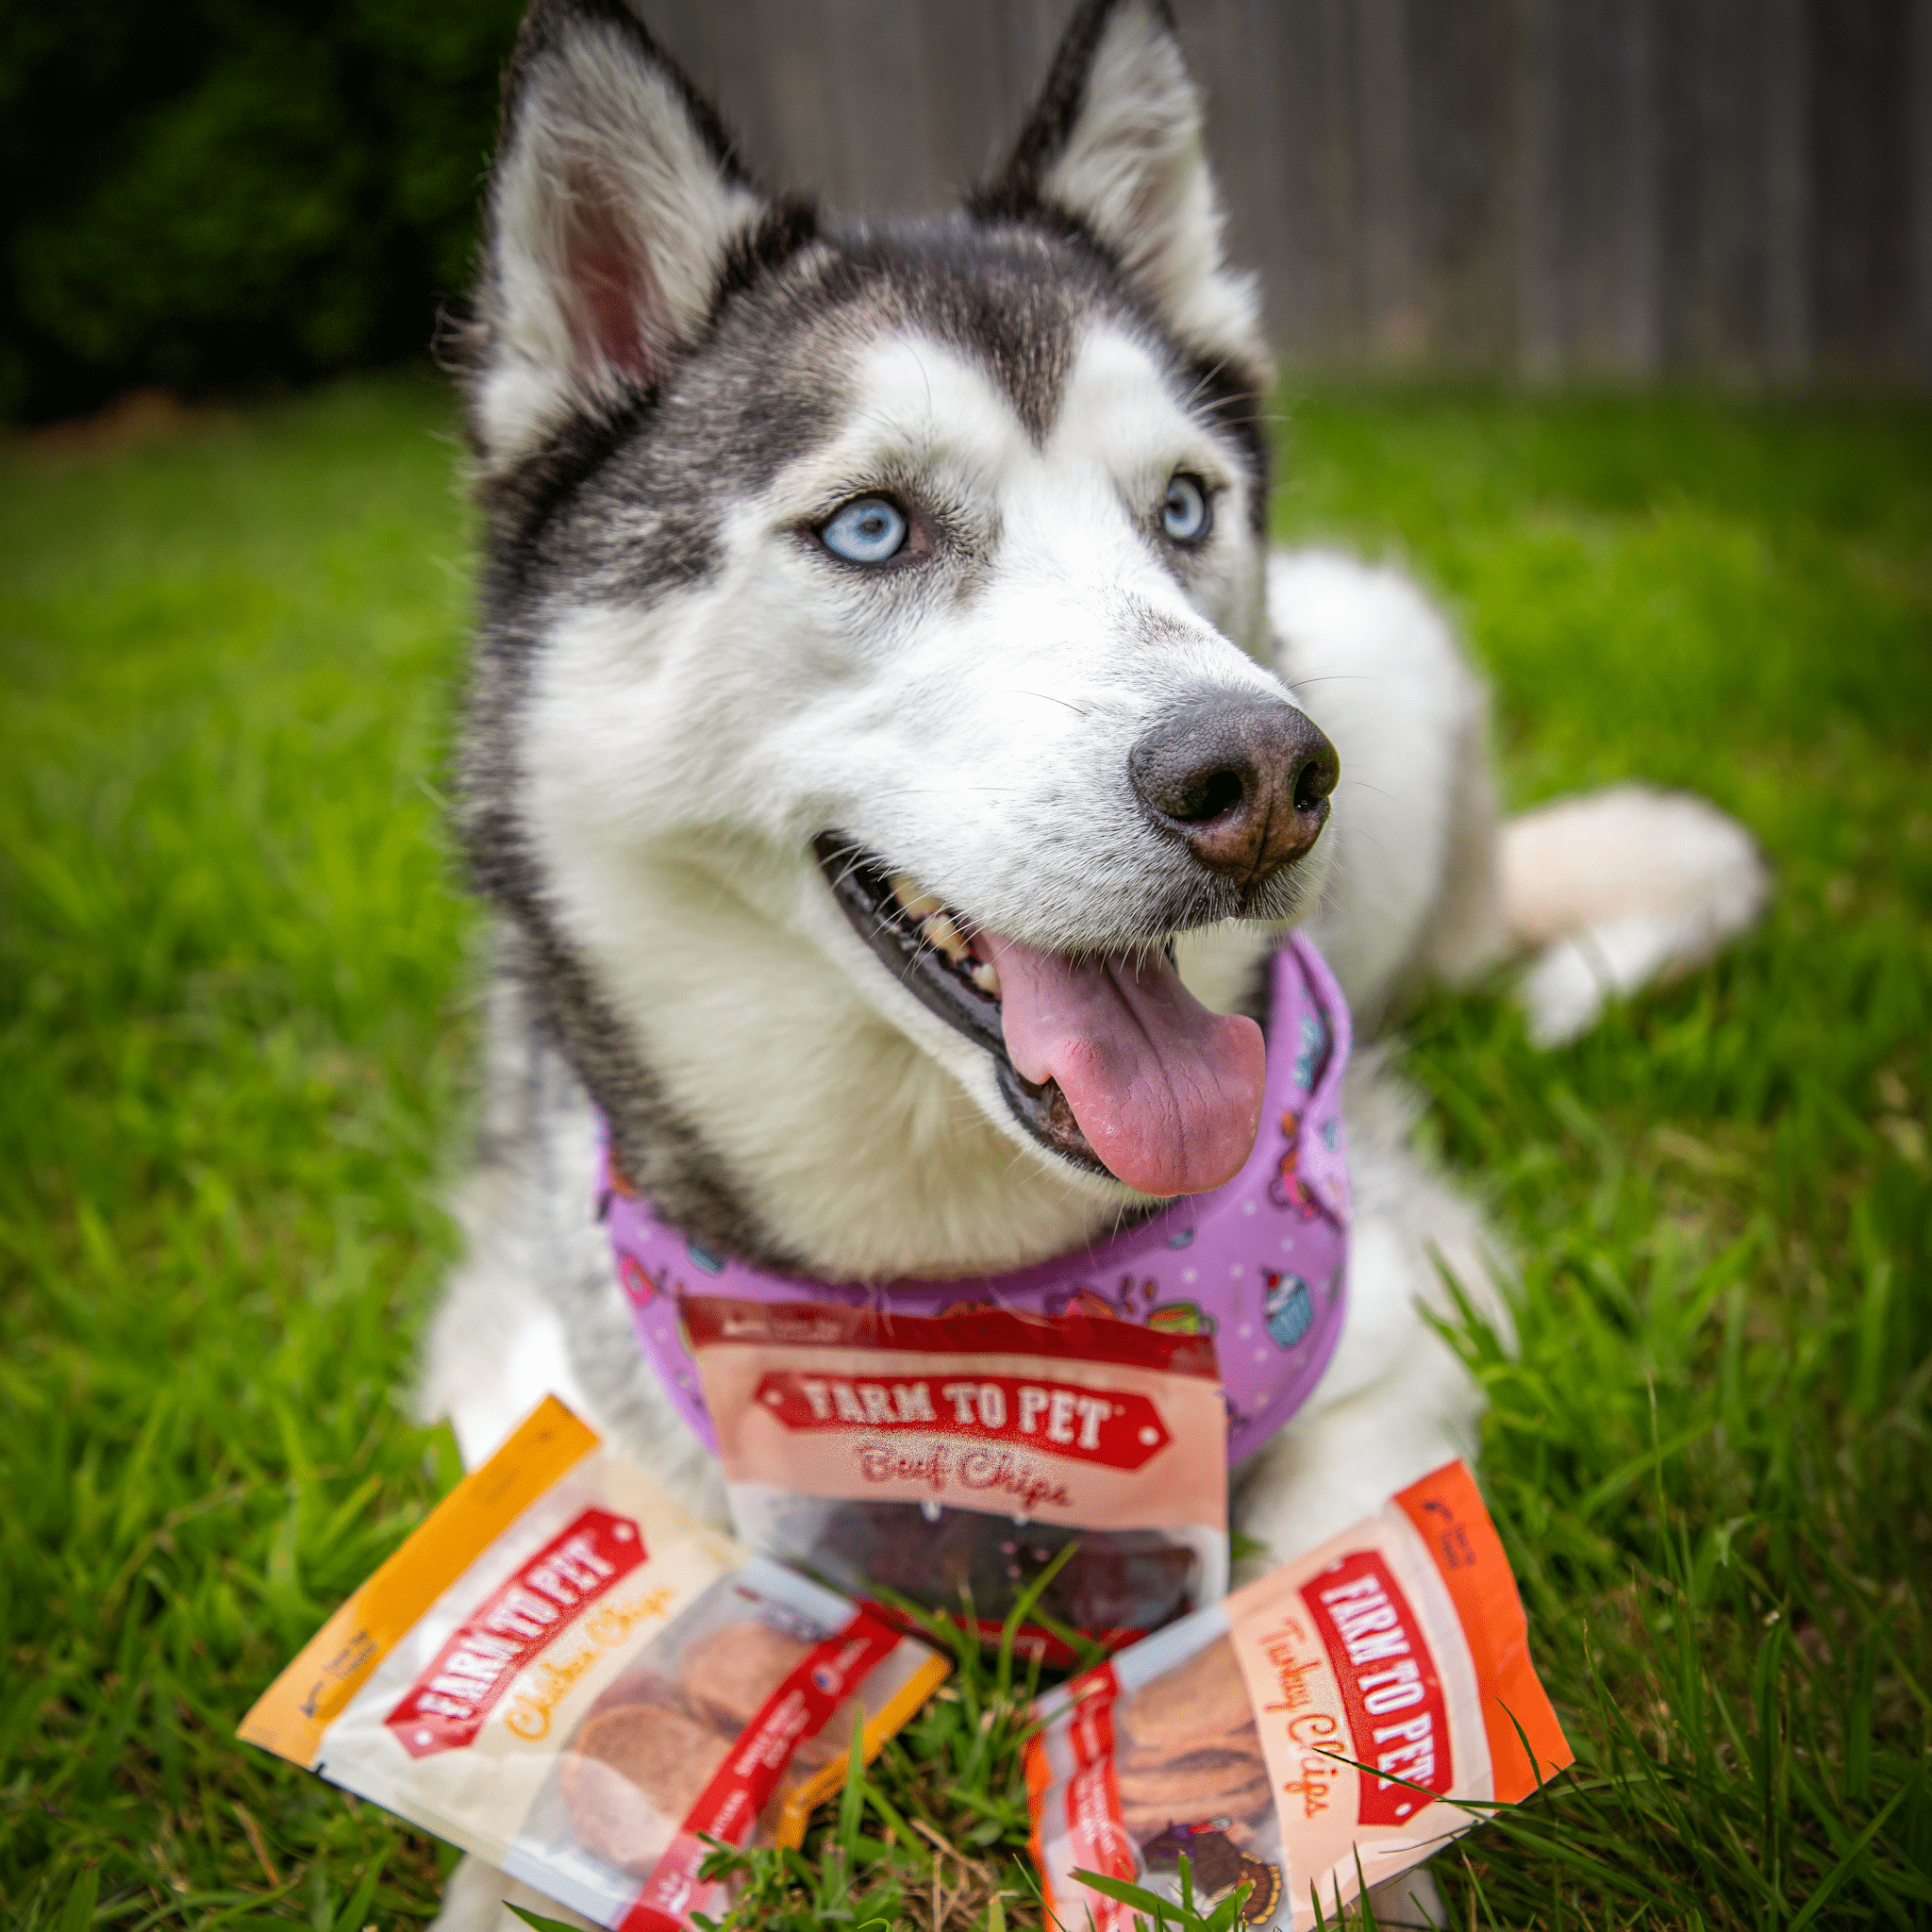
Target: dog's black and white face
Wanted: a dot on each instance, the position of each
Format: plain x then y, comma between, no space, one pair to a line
873,680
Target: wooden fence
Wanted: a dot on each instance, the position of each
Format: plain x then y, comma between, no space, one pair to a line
1623,189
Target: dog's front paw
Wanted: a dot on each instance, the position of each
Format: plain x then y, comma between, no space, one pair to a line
1617,890
1410,1902
477,1896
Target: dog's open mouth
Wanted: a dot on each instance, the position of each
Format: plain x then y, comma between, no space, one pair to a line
1106,1058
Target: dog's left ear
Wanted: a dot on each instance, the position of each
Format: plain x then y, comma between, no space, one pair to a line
1114,142
615,204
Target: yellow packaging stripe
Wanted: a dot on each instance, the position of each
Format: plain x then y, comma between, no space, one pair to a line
893,1716
312,1692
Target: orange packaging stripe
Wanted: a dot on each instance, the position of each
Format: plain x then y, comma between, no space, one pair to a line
1447,1510
898,1712
313,1692
1038,1777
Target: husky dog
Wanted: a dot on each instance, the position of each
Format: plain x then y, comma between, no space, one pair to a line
877,630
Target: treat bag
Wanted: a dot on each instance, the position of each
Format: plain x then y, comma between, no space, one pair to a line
1334,1711
565,1673
954,1459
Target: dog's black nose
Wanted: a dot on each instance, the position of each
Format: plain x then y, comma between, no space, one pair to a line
1243,781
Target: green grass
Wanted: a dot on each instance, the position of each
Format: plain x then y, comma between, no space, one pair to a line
237,1024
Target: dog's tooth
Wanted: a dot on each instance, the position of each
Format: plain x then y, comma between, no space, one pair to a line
918,902
941,933
987,978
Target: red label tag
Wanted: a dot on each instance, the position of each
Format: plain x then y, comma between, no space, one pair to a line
1390,1690
446,1705
1096,1835
712,1321
1089,1735
1120,1430
728,1807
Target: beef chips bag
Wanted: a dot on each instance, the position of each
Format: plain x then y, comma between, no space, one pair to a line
955,1459
562,1671
1333,1711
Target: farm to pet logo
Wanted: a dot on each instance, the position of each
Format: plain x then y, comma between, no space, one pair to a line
1118,1429
1389,1687
446,1705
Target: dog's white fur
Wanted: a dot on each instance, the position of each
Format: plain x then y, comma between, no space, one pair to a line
676,764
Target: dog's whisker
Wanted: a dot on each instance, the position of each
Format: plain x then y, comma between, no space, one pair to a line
1079,710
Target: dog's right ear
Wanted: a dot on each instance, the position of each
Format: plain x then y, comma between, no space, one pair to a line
1114,146
613,206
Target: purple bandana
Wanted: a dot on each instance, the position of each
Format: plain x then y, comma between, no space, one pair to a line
1260,1264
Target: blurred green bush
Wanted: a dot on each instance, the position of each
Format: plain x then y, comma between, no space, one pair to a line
224,193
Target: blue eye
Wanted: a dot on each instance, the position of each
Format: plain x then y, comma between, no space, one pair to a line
869,531
1184,512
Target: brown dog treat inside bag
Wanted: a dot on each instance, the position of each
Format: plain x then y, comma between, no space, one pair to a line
1235,1788
1192,1708
731,1672
629,1772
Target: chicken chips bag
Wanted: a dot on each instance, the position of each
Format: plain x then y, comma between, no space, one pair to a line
1340,1714
562,1671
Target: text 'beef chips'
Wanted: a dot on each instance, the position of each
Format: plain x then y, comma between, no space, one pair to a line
565,1673
1352,1709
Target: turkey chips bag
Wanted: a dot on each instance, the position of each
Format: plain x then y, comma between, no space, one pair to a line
1333,1716
565,1673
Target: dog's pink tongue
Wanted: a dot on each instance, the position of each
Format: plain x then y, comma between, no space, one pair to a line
1168,1094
